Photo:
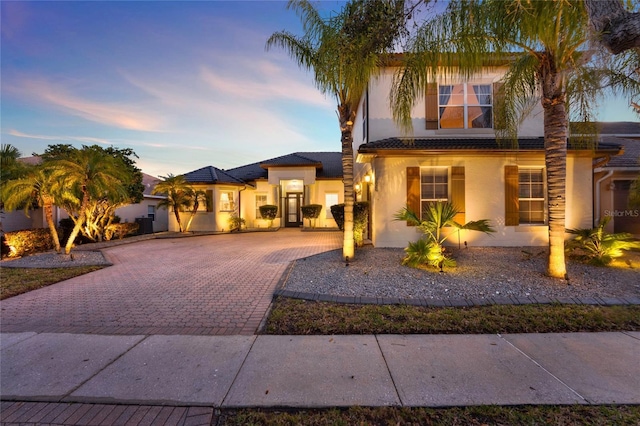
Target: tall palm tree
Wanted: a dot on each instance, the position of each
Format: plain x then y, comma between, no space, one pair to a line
91,174
40,186
343,51
549,59
178,192
196,196
10,167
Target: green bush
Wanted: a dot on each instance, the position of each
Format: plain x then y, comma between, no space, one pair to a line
360,219
598,247
121,230
268,212
236,223
311,211
28,241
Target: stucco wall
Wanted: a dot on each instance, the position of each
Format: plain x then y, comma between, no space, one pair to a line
130,212
484,197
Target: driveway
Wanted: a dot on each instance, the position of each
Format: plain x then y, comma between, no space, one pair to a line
205,285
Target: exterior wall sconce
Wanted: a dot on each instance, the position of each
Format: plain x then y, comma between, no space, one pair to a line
612,186
358,188
367,178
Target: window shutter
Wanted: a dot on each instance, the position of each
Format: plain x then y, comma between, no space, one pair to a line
511,202
457,193
413,191
431,104
499,119
209,200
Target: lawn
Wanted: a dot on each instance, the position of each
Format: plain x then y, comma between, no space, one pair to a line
14,281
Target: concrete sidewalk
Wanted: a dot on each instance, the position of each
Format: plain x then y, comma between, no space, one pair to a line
322,371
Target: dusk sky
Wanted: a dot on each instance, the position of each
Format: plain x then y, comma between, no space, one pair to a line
185,84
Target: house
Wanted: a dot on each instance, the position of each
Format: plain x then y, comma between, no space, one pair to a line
454,155
289,182
147,209
613,177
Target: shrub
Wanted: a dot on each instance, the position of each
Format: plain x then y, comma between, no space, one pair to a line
28,241
269,212
236,223
360,219
311,211
121,230
598,247
436,216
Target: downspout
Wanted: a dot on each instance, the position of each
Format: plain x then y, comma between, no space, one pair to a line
598,184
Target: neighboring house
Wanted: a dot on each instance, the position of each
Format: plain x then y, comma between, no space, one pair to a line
158,218
289,182
613,177
453,155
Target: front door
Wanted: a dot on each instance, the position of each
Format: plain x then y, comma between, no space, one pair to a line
625,219
293,214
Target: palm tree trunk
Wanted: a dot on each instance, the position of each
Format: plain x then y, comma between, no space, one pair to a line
177,214
48,213
555,141
347,117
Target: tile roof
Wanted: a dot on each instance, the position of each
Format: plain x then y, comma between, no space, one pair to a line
328,165
451,144
631,155
211,174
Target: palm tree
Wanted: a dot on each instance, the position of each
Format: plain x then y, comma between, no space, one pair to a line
343,52
196,196
547,47
91,174
10,167
178,192
39,186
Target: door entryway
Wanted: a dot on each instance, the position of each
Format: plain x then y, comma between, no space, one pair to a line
625,219
293,213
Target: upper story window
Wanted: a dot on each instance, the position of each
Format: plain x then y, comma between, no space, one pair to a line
465,106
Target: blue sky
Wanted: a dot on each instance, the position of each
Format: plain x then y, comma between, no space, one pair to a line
185,84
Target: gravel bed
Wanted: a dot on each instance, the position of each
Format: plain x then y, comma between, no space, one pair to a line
482,272
56,260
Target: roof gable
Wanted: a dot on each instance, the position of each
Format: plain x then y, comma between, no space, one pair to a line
328,165
213,175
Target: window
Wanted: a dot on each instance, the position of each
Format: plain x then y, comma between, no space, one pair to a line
151,212
465,106
330,199
261,200
227,203
531,195
434,185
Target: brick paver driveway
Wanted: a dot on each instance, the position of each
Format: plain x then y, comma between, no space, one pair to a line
212,285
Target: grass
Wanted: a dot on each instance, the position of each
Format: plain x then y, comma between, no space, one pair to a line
291,316
14,281
472,416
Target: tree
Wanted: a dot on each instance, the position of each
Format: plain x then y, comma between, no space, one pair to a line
196,196
616,28
545,46
344,51
178,192
39,186
100,211
91,174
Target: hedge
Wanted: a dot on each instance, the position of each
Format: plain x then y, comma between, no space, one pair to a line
28,241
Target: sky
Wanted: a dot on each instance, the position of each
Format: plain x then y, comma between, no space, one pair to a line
184,84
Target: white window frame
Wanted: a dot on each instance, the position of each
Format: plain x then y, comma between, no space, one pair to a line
530,183
434,171
227,201
467,93
260,203
328,203
151,212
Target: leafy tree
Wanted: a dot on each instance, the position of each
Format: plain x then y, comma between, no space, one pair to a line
436,216
91,174
545,45
616,28
178,192
344,51
40,186
101,207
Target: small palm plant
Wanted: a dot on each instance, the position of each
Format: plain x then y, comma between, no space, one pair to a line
597,246
430,249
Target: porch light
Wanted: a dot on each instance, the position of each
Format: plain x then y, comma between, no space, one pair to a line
358,188
367,178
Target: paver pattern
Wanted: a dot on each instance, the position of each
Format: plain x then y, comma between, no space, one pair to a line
204,285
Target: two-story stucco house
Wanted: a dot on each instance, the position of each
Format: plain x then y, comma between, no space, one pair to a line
454,155
289,182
